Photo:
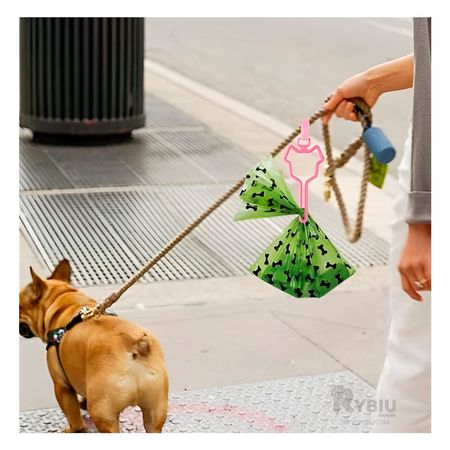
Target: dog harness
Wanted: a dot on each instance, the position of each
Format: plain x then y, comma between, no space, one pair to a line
54,337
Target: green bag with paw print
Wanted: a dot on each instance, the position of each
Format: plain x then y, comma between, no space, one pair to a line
301,261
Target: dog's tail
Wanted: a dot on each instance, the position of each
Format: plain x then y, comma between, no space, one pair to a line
139,347
143,346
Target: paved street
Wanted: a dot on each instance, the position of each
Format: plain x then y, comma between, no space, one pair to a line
285,67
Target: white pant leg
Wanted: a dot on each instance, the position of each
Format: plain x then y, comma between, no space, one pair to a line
406,375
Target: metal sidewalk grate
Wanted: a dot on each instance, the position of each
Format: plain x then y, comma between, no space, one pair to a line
109,235
161,153
129,199
148,159
316,403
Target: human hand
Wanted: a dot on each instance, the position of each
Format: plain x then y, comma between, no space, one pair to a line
415,261
359,85
369,85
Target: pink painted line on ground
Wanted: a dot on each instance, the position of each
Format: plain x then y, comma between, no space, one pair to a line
232,411
255,418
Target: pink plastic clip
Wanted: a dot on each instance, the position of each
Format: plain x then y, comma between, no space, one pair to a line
303,142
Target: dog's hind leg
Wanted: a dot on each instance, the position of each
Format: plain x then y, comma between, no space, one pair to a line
154,417
154,407
105,418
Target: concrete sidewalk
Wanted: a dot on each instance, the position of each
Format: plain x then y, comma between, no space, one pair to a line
237,330
225,331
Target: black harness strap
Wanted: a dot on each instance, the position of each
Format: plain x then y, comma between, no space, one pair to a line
54,337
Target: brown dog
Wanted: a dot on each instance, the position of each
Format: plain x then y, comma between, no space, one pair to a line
109,361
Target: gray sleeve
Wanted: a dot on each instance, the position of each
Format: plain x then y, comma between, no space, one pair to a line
419,202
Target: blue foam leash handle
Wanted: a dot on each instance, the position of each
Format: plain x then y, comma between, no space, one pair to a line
379,144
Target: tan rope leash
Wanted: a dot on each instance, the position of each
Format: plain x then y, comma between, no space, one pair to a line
331,181
365,117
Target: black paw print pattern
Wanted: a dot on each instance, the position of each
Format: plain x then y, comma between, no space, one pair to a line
302,262
260,194
265,193
256,271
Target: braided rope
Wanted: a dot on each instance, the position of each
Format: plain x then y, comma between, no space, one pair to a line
364,115
354,234
346,155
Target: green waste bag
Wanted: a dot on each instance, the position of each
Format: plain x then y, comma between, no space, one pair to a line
301,261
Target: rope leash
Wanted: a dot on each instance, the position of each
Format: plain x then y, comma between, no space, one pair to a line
365,117
363,114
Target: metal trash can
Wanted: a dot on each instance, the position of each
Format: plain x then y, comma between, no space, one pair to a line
82,76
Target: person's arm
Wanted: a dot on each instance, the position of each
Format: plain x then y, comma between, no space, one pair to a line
415,261
369,85
419,206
